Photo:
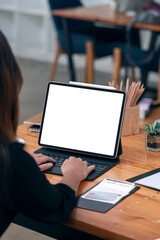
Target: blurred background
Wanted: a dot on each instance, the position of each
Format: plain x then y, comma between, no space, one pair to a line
29,29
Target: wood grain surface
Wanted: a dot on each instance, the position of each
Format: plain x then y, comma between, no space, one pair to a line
104,14
136,217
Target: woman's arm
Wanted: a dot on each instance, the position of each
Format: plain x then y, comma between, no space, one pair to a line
32,194
74,170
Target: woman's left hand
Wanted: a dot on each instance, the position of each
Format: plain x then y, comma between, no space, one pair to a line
43,162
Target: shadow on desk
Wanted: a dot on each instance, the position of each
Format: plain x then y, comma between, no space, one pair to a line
58,231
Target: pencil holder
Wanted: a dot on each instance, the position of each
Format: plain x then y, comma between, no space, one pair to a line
131,121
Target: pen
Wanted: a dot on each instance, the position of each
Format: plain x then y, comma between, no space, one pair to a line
120,181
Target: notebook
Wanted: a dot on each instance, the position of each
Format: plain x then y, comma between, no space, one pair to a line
149,179
105,195
82,121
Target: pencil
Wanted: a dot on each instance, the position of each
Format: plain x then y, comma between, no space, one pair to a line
135,93
121,85
138,96
130,94
127,84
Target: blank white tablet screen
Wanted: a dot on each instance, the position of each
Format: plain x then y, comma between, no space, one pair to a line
81,119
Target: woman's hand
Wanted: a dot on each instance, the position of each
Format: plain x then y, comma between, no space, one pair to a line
43,162
76,166
74,171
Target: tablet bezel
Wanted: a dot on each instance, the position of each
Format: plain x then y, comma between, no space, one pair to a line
91,88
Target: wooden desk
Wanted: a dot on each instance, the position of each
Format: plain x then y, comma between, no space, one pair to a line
136,217
103,14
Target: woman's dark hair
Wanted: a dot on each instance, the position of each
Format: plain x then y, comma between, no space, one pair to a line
10,85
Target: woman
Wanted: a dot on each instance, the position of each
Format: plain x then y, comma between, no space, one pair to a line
23,188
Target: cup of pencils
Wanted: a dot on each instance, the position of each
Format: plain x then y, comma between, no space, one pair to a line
131,116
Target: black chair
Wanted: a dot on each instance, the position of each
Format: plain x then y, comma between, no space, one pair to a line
138,55
86,38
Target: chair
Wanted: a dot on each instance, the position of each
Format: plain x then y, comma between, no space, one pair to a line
155,67
120,59
138,54
86,38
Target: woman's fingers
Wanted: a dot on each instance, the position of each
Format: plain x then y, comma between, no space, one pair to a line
45,166
44,159
76,166
44,162
71,164
91,168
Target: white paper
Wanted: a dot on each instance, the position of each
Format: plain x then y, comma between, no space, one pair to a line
109,191
152,181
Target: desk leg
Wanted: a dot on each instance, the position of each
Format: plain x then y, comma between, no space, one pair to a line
69,49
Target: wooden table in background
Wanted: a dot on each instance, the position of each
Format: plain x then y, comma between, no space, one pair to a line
103,14
136,217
